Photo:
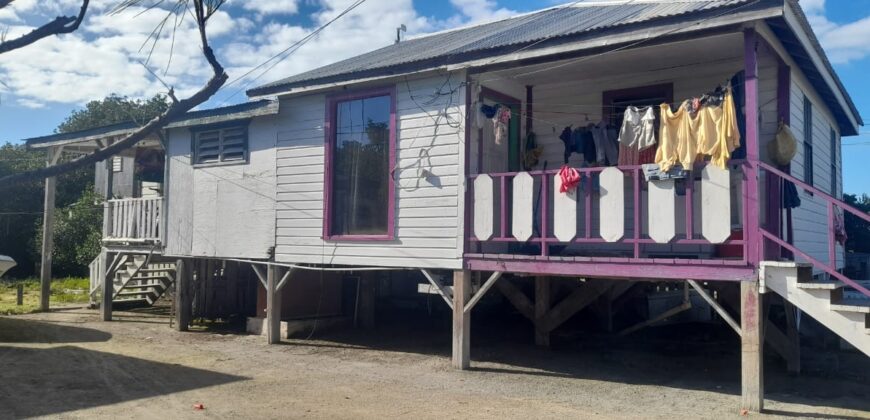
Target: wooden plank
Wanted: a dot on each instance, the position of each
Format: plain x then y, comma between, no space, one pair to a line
751,348
542,306
661,212
183,303
612,204
564,212
573,303
47,239
480,293
273,306
517,298
461,320
521,216
715,204
483,207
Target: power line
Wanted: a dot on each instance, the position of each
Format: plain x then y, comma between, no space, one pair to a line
288,51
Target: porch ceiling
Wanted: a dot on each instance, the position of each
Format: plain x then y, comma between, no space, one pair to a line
712,49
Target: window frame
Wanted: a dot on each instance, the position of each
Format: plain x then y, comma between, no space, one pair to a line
329,126
809,158
194,131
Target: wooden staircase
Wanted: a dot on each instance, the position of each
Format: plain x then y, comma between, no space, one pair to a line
139,279
830,302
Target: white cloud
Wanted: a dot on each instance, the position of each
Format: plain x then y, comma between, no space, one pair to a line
843,42
105,55
270,7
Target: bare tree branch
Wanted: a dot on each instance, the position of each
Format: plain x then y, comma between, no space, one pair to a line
60,25
176,109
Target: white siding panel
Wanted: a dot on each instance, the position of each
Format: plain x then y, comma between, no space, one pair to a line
429,212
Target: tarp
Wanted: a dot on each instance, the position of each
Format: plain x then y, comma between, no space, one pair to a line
6,263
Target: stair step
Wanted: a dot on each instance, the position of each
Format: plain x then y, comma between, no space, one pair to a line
148,278
145,286
130,300
852,305
133,293
156,270
820,285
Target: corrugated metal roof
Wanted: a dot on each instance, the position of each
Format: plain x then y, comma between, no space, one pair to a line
548,24
130,125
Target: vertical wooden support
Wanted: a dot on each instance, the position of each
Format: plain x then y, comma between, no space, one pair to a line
19,294
461,319
47,235
183,301
793,363
752,344
108,279
542,306
273,305
751,224
367,299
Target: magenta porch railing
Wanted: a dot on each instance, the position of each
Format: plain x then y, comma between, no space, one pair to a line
830,266
634,236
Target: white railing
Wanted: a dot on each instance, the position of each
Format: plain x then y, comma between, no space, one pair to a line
97,274
133,220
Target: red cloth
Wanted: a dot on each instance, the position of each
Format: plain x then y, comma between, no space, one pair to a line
570,178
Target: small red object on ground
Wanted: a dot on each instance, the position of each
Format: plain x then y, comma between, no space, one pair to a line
744,412
198,406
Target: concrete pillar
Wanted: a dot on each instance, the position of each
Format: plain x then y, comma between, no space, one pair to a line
752,344
542,306
273,305
183,295
461,320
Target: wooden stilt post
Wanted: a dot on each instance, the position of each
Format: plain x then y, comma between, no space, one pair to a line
108,286
542,306
752,344
183,303
47,233
273,305
461,319
367,298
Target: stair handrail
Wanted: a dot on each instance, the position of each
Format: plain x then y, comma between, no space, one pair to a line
831,268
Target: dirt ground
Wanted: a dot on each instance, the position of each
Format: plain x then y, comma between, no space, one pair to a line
67,364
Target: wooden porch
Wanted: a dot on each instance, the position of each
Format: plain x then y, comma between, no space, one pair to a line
133,221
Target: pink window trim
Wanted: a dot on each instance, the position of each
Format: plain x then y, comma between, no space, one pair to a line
328,126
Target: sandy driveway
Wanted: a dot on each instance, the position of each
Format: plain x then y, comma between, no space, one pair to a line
68,365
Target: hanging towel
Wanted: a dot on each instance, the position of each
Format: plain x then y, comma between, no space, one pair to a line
500,124
677,141
570,178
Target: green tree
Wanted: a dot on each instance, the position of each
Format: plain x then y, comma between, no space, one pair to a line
21,204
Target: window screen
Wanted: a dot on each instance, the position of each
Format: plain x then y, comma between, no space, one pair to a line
360,167
227,144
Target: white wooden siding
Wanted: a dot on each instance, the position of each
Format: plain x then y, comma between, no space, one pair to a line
810,219
222,211
429,190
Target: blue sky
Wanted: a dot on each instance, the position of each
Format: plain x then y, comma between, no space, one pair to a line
41,84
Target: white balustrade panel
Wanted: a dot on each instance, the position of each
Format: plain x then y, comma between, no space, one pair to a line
523,212
564,212
661,222
612,204
483,207
715,204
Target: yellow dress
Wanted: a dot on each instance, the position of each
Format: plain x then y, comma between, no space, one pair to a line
677,139
685,138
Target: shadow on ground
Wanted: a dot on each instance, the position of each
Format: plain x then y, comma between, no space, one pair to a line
74,378
702,357
20,330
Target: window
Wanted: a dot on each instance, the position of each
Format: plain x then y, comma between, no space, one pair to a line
834,160
117,164
215,145
808,141
360,149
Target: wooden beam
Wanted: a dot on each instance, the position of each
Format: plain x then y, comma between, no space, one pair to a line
260,275
445,293
285,277
183,301
542,306
517,298
793,363
482,291
577,300
273,305
461,320
751,348
716,306
108,285
47,233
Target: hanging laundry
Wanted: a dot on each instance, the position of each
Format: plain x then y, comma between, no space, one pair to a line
500,122
716,129
532,152
652,172
840,227
606,143
584,143
739,92
637,136
568,142
570,178
677,142
790,197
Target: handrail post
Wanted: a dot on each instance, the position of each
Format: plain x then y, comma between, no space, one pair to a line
753,237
